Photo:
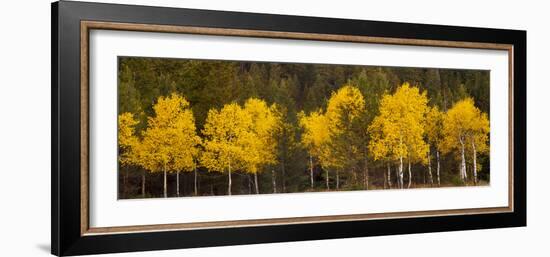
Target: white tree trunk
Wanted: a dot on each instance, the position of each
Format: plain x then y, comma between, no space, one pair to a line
256,182
475,161
401,172
463,174
430,177
326,179
410,174
283,176
273,178
311,170
229,178
397,177
385,179
337,180
165,192
366,174
438,168
389,175
178,183
400,165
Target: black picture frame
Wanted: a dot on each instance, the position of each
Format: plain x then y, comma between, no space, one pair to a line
66,234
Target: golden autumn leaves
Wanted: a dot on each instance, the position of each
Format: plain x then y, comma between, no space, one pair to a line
240,138
168,144
466,129
398,131
406,128
403,131
235,138
334,137
244,137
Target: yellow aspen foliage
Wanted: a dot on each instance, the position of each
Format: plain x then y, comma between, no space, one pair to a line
316,133
261,142
170,139
186,143
315,138
434,134
170,142
344,107
226,132
434,126
465,128
127,140
397,132
241,138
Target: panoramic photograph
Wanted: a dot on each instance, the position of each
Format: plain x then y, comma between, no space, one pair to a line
189,128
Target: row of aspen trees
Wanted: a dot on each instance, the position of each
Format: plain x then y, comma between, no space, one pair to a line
243,138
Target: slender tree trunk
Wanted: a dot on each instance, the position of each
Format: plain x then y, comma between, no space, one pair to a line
229,174
397,177
229,178
410,174
256,182
195,180
249,184
311,170
438,168
400,165
274,182
463,174
475,162
178,183
389,175
366,174
401,172
326,178
143,184
385,179
430,177
337,180
165,191
283,175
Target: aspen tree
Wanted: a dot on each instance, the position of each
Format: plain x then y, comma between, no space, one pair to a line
186,145
127,142
397,132
170,141
315,138
260,142
226,134
434,133
465,126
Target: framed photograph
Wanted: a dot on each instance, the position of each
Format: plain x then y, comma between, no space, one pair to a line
178,128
